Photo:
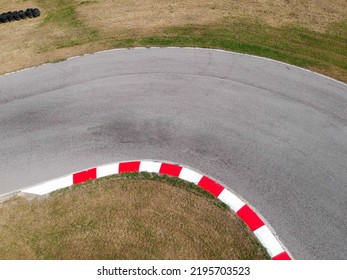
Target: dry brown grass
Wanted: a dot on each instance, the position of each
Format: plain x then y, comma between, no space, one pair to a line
117,218
21,42
17,40
147,15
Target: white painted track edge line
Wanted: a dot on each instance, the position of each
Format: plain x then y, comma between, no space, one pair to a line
191,48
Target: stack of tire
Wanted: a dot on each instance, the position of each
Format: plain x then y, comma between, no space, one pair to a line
18,15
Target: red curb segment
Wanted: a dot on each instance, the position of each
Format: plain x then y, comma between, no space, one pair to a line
83,176
282,256
133,166
210,186
170,169
250,218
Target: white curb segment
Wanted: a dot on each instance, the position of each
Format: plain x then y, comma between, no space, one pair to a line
231,200
107,170
51,186
190,175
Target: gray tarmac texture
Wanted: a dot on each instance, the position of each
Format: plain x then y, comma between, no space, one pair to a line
273,133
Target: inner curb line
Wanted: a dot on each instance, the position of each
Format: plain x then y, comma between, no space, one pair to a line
247,214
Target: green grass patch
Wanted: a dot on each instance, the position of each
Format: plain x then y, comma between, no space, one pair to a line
294,45
61,12
65,15
87,2
57,60
71,41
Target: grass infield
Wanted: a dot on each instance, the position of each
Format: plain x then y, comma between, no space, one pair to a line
127,216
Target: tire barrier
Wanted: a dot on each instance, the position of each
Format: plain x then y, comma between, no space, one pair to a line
18,15
29,13
22,14
36,12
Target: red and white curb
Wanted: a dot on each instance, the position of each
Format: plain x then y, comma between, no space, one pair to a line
245,212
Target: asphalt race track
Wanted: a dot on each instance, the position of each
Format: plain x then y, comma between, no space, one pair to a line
273,133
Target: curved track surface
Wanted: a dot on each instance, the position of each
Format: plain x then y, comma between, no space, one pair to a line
273,133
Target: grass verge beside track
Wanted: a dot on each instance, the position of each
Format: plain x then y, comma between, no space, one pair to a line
310,34
126,216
